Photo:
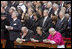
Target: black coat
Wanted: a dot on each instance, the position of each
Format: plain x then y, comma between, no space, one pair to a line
47,25
29,24
61,27
16,29
29,35
4,31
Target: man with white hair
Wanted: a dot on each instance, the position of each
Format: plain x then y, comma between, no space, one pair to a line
14,28
26,34
45,22
61,24
56,9
49,6
5,6
69,25
55,38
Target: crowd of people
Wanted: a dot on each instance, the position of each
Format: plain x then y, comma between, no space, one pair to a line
34,20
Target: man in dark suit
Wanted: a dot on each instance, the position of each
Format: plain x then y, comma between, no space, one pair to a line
30,22
68,31
26,34
61,23
56,9
5,6
45,22
14,28
49,7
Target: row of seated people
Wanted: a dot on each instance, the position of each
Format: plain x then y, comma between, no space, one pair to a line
54,37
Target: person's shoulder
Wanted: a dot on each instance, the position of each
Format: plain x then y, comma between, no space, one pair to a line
58,33
18,20
30,31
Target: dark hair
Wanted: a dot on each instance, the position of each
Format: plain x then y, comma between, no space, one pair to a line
54,17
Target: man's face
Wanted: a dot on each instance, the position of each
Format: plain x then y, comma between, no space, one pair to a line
45,13
13,15
60,15
48,5
24,31
54,8
29,12
4,4
10,10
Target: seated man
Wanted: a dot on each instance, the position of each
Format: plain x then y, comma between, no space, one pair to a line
40,36
55,38
27,34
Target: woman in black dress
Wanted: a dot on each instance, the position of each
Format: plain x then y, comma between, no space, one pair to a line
4,31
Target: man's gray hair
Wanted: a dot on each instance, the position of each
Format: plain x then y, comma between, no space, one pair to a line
67,14
46,10
16,13
62,12
24,28
55,5
50,3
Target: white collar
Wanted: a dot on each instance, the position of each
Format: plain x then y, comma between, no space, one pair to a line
31,16
5,7
50,8
62,18
45,17
14,19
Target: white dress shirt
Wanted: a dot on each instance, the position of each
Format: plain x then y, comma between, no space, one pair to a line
44,20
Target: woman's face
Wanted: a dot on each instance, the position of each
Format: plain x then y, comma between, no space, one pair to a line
38,31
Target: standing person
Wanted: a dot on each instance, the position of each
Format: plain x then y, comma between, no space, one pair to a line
45,22
14,28
61,24
4,31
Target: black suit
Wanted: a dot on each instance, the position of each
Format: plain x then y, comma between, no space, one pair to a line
50,12
29,35
15,32
61,26
53,12
47,24
29,24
